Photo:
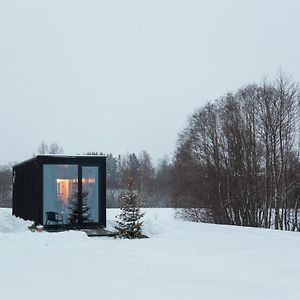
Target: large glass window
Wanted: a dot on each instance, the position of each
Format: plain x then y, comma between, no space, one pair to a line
60,193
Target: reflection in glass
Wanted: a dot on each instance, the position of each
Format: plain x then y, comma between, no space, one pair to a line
60,192
90,208
74,209
60,184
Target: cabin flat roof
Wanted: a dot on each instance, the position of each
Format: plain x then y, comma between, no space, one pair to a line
62,156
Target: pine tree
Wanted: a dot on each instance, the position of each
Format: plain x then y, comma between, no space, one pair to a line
129,225
74,209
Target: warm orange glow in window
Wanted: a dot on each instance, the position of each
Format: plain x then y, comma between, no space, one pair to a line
65,187
88,180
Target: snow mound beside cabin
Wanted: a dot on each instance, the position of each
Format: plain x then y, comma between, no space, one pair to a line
12,224
155,222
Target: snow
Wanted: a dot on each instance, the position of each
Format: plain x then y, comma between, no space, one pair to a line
180,260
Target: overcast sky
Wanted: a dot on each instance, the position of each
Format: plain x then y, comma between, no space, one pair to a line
123,76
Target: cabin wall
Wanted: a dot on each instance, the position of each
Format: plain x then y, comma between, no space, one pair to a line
27,197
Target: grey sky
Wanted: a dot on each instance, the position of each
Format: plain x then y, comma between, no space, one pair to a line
118,76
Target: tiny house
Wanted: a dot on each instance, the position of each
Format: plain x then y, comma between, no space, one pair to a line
61,191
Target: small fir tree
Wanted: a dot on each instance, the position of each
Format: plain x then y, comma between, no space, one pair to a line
129,225
74,209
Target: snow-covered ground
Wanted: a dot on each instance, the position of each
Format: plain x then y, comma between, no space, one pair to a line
181,260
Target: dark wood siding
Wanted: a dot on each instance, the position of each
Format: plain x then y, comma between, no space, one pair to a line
27,191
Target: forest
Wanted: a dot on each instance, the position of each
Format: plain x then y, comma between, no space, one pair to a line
237,161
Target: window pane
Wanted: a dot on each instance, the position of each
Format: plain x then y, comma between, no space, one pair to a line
60,194
90,192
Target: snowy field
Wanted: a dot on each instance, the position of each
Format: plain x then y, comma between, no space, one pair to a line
181,260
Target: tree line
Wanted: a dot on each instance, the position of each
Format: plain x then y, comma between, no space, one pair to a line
151,182
237,161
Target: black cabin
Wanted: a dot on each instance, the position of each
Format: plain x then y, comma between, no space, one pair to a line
61,191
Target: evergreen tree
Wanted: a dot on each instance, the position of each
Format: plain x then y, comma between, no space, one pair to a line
74,209
129,225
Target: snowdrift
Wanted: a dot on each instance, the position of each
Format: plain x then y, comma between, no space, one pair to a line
180,260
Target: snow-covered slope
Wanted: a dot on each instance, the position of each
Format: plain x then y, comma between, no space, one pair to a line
181,260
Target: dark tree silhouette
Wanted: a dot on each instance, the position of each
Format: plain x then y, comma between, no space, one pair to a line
74,209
